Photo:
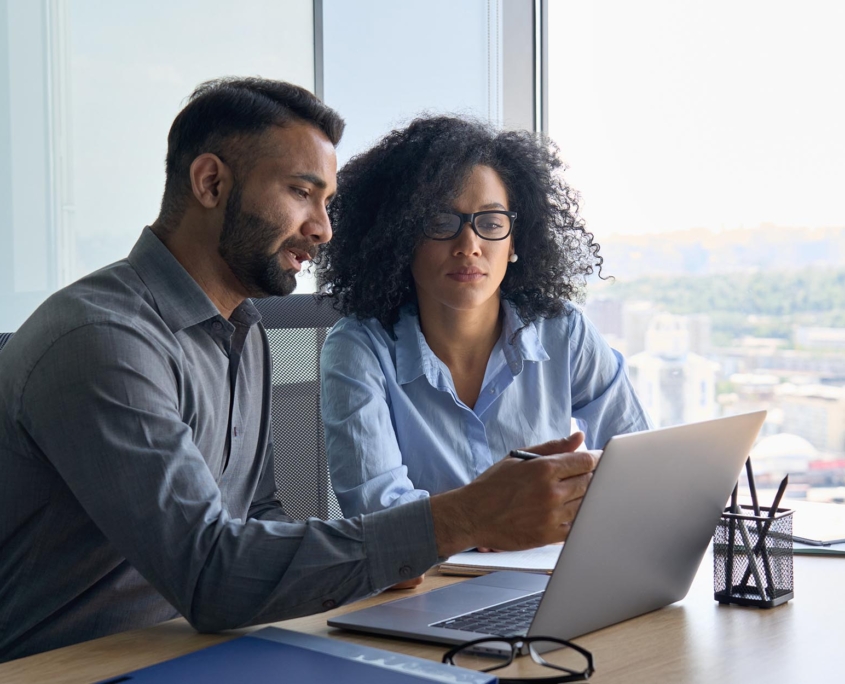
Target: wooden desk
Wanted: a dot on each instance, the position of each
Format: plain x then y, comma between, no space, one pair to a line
695,640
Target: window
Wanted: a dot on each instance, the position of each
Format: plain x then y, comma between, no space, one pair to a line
88,91
707,143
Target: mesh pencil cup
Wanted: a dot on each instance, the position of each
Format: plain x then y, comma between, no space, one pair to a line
752,558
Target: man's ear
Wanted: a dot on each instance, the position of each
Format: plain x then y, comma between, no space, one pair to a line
211,179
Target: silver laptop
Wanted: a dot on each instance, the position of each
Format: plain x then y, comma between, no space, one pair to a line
635,545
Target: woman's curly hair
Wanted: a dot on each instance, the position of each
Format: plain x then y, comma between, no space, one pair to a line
387,194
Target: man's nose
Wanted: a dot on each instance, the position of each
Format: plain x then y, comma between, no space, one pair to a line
318,228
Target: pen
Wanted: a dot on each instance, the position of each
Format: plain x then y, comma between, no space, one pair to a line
767,526
524,455
767,568
752,559
781,491
729,571
752,486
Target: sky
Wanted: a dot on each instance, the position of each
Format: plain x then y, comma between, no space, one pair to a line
674,114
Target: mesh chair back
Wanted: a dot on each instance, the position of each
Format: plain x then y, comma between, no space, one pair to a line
296,329
4,337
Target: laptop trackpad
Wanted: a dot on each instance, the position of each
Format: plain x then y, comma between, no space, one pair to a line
447,602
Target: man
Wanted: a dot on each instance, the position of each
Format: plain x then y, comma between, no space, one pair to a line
137,468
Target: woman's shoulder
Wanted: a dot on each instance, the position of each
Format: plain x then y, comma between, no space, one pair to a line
570,318
351,337
352,328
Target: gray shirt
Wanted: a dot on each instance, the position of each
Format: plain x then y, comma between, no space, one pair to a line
136,472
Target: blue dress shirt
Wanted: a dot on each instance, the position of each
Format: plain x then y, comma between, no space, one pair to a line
396,430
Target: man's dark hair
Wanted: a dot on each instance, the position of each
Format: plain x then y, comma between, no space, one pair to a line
386,195
225,117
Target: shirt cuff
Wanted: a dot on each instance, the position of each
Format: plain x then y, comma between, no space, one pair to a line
400,543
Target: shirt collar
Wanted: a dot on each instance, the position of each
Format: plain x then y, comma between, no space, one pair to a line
521,347
413,355
181,302
415,358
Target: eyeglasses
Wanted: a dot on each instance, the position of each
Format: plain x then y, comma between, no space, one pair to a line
496,653
488,225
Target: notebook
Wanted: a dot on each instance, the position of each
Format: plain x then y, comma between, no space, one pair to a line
818,528
818,524
635,545
280,655
473,563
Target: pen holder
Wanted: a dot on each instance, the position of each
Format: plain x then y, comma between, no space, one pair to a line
752,558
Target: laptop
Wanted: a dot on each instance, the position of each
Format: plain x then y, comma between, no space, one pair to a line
635,545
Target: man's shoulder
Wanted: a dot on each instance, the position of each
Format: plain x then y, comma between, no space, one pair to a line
111,299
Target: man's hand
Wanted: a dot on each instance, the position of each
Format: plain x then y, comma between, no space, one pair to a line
516,504
409,584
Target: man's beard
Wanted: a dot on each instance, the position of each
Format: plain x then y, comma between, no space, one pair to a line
243,245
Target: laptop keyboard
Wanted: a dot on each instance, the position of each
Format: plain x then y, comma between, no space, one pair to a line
506,619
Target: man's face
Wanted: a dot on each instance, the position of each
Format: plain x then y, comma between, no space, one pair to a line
275,215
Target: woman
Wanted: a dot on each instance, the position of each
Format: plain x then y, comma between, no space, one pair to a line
457,250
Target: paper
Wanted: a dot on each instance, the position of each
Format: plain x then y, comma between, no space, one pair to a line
541,560
817,521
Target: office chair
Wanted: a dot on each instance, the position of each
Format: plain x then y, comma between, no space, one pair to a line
296,329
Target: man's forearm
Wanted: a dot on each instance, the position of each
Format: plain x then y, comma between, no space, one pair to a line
452,523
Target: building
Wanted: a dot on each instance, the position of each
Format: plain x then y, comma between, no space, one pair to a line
779,455
675,384
816,413
819,338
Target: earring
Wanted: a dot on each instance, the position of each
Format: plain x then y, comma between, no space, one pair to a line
513,258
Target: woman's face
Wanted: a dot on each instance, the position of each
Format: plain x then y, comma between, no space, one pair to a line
466,272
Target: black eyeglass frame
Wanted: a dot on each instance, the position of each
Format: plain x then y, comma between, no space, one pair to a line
470,219
517,644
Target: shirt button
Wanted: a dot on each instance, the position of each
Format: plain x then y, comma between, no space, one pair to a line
217,325
405,571
492,390
328,605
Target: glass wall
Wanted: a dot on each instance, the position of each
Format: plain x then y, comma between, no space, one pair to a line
88,91
386,62
707,142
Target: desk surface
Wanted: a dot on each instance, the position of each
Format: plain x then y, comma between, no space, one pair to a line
694,640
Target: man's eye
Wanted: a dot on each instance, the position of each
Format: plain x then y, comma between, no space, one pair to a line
301,192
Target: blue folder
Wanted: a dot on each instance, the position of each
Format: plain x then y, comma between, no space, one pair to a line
279,655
